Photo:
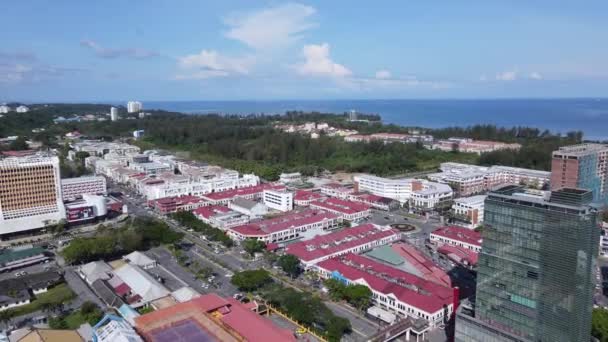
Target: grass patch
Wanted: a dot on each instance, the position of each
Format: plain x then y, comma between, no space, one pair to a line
54,296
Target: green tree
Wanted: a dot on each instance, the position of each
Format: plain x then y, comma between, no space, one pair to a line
19,144
336,289
599,324
251,280
253,246
290,264
359,296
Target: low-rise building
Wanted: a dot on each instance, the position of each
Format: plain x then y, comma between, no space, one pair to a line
337,190
88,208
468,180
394,290
286,227
137,286
210,318
250,192
112,328
375,201
139,259
457,236
11,259
407,258
16,292
472,146
351,240
281,200
303,198
289,178
220,217
248,207
94,270
170,205
468,211
346,210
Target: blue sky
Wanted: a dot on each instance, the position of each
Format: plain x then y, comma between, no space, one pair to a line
237,50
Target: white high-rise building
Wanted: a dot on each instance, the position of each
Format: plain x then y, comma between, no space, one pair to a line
134,106
22,109
114,114
31,193
4,109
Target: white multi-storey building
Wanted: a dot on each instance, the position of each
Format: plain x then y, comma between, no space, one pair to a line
134,106
4,109
397,189
418,193
22,109
72,188
114,114
431,195
30,195
281,200
468,211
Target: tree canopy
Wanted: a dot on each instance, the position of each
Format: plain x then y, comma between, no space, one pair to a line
253,246
251,280
290,264
599,324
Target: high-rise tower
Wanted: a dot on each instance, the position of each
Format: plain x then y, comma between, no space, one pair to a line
535,273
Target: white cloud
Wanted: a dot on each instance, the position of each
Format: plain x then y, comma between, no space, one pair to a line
317,62
105,52
271,27
209,63
483,78
536,75
383,74
507,76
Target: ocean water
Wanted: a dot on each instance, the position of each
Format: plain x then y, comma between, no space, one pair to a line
557,115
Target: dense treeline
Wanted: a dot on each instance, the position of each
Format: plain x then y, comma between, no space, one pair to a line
251,144
139,234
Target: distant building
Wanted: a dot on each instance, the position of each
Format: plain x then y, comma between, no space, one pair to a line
287,178
22,109
582,166
468,211
281,200
473,146
352,115
4,109
134,106
31,193
138,133
114,114
73,188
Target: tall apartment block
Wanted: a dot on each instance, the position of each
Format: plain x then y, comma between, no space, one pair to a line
583,166
535,272
30,193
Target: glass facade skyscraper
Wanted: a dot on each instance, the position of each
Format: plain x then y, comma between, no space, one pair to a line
535,273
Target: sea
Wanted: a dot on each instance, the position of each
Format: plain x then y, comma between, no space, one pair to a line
588,115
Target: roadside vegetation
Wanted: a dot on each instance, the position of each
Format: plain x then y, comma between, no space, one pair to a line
303,307
599,324
187,219
359,296
88,313
136,234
